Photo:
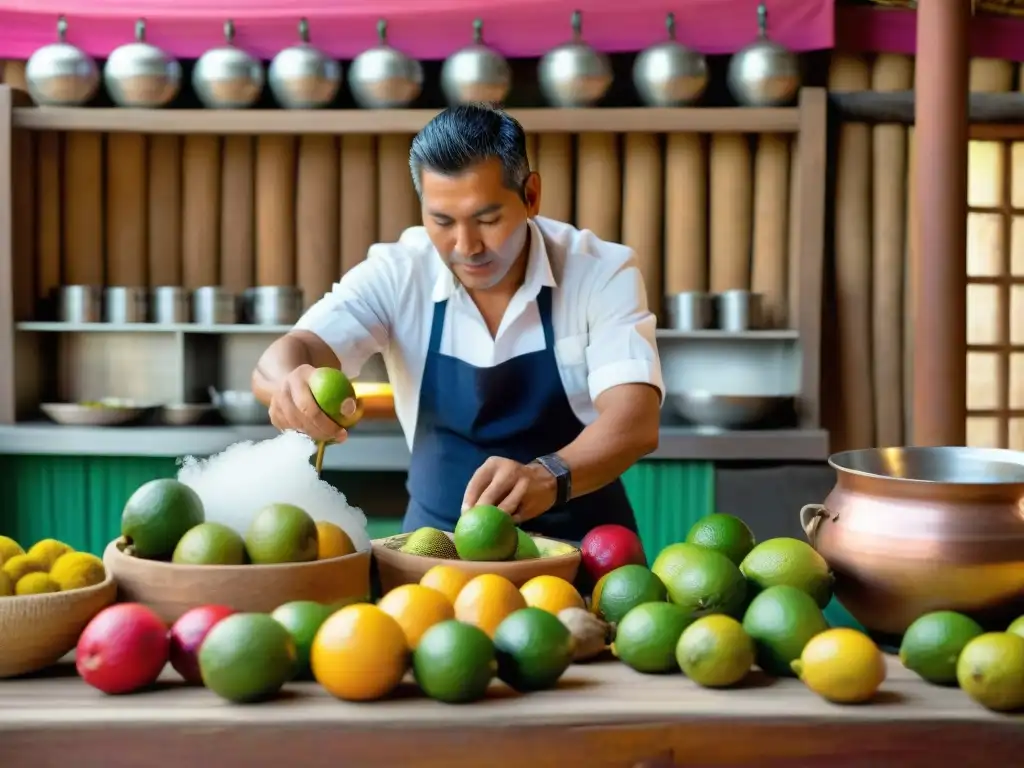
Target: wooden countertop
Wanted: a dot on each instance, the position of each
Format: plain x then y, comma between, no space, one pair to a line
603,711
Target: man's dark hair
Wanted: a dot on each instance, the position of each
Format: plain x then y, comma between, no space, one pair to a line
462,136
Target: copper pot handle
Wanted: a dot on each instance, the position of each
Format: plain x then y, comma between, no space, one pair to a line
810,518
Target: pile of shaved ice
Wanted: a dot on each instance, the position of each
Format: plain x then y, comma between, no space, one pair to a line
245,477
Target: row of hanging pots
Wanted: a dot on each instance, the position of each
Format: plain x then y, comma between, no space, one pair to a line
574,74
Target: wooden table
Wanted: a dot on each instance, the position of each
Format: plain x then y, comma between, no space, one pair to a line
602,715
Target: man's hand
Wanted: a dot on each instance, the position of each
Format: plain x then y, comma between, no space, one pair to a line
524,491
293,406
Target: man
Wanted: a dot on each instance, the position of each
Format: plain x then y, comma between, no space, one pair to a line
521,350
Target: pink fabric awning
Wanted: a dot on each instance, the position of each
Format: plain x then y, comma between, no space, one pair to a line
425,29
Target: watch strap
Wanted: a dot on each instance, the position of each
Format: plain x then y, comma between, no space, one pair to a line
556,465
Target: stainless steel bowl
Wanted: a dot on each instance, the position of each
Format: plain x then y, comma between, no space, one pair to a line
240,407
707,409
108,412
185,414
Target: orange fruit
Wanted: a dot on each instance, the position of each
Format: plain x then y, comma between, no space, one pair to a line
446,579
332,541
486,600
359,653
416,609
551,594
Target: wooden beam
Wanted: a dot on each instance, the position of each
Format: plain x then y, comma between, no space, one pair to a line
938,267
899,106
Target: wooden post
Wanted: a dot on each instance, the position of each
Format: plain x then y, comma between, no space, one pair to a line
938,271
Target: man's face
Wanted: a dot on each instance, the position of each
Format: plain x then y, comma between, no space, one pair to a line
476,223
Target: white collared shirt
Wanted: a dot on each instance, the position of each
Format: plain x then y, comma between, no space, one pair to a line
604,332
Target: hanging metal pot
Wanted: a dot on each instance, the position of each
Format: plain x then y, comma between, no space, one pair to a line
765,73
227,77
384,77
477,73
139,74
302,76
668,74
61,74
574,74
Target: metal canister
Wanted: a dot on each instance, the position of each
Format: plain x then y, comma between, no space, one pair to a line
170,305
690,311
739,310
79,303
124,304
273,305
212,305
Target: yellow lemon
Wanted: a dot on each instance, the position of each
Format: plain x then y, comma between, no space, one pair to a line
551,594
38,583
841,665
416,609
991,671
77,570
22,565
332,541
48,550
446,579
715,651
6,585
9,548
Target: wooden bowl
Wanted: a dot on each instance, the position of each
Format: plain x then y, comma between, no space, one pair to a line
377,399
37,630
396,568
170,590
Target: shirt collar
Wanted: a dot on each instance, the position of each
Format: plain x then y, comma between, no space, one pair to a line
538,270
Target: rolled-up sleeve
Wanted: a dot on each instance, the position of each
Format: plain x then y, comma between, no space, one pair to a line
354,319
622,348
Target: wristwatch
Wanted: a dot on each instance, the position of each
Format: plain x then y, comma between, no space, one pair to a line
556,465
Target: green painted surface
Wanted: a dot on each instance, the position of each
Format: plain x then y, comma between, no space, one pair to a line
76,499
668,497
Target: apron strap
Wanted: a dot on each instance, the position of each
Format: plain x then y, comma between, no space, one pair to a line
437,326
544,308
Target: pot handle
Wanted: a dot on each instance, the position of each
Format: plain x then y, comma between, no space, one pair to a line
810,518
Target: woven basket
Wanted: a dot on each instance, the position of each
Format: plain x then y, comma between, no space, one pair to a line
398,568
994,7
37,630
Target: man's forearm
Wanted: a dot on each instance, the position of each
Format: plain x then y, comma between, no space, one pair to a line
280,359
624,432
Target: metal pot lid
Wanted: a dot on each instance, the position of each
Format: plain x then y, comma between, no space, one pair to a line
61,73
477,73
383,76
575,74
669,73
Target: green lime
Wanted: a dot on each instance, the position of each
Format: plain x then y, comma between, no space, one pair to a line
282,533
701,581
620,591
991,671
723,533
247,657
335,395
790,562
526,547
1017,627
454,662
485,533
302,619
210,544
534,648
157,515
932,645
715,651
781,620
647,636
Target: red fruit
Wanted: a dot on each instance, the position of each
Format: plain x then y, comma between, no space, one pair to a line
608,547
188,634
124,648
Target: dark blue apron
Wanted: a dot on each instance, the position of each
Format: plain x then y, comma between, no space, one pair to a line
517,409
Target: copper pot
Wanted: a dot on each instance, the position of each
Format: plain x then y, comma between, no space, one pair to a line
913,530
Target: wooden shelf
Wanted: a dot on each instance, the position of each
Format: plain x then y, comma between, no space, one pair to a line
695,119
223,330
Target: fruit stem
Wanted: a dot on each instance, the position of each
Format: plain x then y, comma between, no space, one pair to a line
320,448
